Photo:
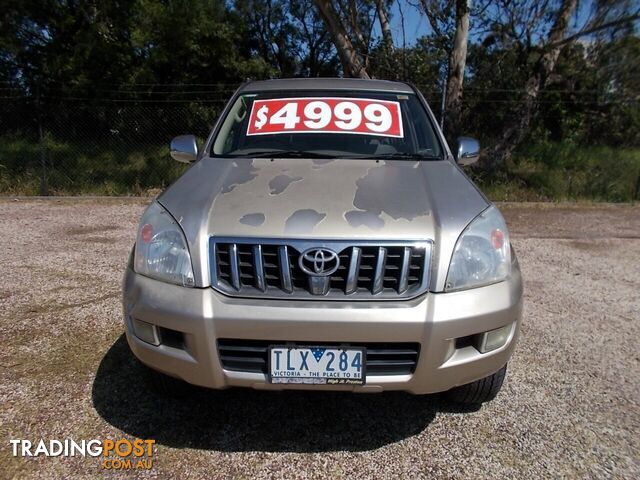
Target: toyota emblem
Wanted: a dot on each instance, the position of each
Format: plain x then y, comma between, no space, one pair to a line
319,262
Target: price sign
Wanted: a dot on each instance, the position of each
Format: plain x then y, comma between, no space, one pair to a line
363,116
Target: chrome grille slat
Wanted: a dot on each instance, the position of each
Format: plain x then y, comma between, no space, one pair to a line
259,267
354,266
269,268
285,268
381,261
403,283
235,268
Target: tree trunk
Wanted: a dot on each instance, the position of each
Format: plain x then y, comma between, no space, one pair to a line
351,62
457,62
385,26
501,152
393,70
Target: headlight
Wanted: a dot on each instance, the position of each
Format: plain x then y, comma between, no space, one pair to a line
482,254
161,249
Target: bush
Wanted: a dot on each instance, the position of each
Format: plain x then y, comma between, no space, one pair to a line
84,167
542,171
566,171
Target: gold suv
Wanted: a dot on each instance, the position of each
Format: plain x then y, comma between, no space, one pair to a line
325,238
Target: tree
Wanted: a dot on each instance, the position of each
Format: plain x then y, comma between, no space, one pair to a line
196,41
386,54
542,70
521,22
449,20
353,63
314,48
46,44
457,62
272,31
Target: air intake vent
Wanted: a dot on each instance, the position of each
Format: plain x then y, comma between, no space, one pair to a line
306,269
382,358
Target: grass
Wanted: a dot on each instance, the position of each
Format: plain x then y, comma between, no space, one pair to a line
566,172
85,167
541,171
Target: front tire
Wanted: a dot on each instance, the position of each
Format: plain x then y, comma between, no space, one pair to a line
480,391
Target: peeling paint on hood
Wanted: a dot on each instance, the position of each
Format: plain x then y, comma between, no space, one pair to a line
279,183
253,219
337,199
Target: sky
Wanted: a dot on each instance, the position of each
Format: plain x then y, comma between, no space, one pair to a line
415,25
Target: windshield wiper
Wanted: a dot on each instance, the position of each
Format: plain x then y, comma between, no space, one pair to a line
289,154
400,156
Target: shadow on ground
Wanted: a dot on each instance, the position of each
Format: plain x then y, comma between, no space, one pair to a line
248,420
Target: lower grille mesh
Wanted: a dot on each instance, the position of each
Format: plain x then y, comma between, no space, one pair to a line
382,358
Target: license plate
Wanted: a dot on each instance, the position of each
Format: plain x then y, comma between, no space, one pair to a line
317,365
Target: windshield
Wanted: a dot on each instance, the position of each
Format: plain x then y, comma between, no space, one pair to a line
327,124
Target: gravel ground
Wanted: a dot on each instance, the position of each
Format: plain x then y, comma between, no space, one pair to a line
569,407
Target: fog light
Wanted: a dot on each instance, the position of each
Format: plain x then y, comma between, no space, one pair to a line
145,331
493,339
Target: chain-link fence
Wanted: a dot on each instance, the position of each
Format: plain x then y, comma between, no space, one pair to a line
70,146
76,148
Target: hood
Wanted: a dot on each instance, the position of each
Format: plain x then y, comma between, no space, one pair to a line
323,199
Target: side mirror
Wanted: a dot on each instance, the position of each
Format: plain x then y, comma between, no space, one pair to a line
184,148
468,151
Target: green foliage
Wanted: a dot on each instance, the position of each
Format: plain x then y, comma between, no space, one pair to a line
102,78
421,64
592,98
544,171
192,41
81,167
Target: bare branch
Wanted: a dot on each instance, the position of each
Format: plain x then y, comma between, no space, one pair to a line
351,62
429,11
385,26
594,29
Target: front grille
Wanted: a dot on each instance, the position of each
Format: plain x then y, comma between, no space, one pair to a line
381,359
271,268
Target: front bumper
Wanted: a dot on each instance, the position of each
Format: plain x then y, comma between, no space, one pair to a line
435,321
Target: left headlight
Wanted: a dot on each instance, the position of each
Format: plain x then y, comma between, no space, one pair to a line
482,254
161,249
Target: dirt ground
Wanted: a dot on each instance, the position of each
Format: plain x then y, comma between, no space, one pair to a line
569,407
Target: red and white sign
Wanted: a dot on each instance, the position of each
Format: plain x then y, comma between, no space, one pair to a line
362,116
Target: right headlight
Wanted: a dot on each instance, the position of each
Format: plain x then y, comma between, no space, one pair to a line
482,254
161,249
